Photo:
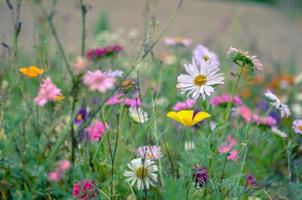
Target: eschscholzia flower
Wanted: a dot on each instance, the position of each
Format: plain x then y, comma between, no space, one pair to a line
244,59
143,172
297,126
279,132
188,117
80,65
200,80
149,152
275,101
187,104
81,116
47,92
200,176
138,115
99,53
203,54
84,190
177,41
96,130
250,181
99,81
224,99
31,71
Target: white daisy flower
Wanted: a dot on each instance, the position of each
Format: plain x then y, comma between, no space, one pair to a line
138,115
143,172
200,80
275,101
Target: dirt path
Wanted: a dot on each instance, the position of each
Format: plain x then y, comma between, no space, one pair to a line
252,26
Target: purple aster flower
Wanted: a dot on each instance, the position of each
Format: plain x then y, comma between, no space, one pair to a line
250,181
98,53
81,116
200,176
203,54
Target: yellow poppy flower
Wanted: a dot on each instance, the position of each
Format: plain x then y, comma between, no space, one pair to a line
31,71
187,117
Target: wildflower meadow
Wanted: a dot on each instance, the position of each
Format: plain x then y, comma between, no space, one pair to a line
143,114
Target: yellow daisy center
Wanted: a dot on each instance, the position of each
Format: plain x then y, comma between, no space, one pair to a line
200,80
206,58
142,172
300,127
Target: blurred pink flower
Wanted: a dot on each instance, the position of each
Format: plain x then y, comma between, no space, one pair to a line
47,92
297,126
149,152
118,99
177,41
54,176
264,121
84,190
233,155
64,165
245,113
224,99
187,104
80,65
98,80
96,130
231,142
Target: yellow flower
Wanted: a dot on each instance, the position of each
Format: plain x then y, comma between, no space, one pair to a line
187,117
31,71
59,98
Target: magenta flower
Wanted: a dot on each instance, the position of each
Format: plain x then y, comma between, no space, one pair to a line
203,54
149,152
99,53
47,92
245,113
187,104
224,99
57,174
200,176
96,130
233,155
297,126
250,181
84,190
64,165
99,81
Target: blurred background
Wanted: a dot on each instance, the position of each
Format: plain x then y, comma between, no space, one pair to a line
271,29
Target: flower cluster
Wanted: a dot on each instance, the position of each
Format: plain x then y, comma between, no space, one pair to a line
84,190
99,53
58,173
228,148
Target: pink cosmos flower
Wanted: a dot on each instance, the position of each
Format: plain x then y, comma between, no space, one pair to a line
119,99
47,92
84,190
224,99
80,65
264,121
54,176
233,155
98,80
96,130
64,165
187,104
149,152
